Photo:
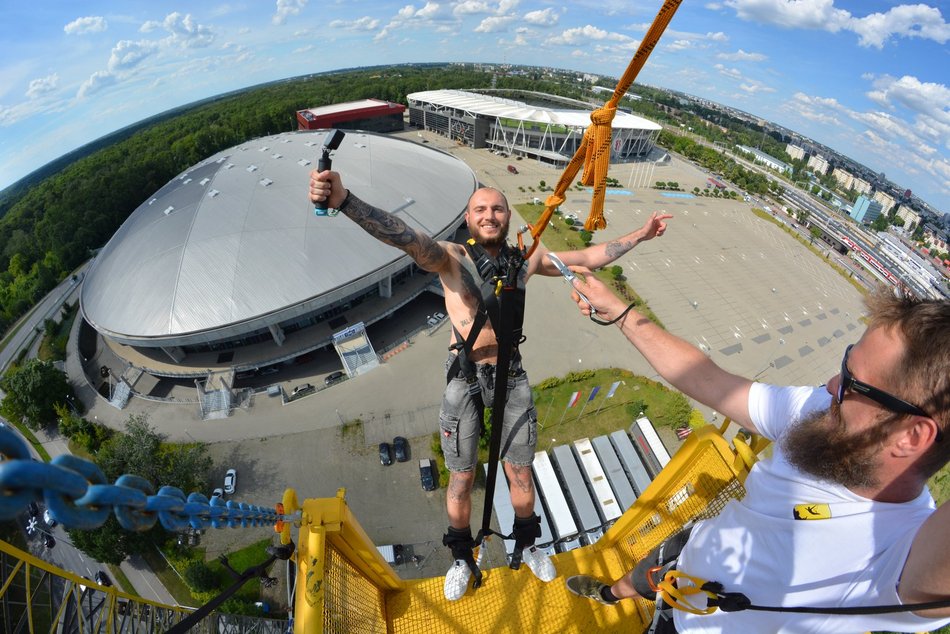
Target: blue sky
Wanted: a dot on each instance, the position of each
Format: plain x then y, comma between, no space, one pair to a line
869,78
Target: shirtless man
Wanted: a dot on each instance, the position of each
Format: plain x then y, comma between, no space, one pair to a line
487,216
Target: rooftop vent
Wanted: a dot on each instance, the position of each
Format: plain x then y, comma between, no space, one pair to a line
265,181
168,210
204,181
303,162
213,193
252,168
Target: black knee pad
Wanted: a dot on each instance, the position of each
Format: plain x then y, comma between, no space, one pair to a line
526,530
459,541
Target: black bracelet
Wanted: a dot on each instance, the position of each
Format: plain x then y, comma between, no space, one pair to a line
346,201
615,319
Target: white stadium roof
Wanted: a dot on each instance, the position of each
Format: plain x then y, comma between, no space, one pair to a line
489,106
233,244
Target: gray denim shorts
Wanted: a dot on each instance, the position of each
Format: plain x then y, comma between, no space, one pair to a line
460,419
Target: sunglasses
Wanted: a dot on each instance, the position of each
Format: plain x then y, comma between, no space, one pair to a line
885,400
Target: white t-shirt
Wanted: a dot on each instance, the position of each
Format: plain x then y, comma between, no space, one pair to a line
757,547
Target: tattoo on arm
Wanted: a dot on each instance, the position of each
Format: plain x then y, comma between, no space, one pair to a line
390,229
615,248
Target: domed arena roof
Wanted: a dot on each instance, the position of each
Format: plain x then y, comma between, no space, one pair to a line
233,243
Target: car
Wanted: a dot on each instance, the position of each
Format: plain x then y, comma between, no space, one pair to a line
271,369
103,579
427,474
49,519
300,390
401,448
217,493
230,481
49,541
333,377
385,454
512,169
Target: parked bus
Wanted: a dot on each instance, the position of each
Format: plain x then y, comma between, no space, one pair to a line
597,483
617,477
648,443
558,512
631,461
588,520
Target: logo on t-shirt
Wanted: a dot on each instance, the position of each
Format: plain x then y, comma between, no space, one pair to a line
812,512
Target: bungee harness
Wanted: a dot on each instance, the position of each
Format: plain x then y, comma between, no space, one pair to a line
501,301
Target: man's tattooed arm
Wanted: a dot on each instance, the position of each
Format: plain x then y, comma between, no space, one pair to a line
385,227
615,248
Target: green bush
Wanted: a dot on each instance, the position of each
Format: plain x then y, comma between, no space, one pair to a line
577,377
548,383
616,272
200,577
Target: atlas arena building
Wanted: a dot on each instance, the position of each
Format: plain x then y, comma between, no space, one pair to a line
550,135
227,269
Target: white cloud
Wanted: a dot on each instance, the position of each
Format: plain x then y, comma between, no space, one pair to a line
742,56
918,20
927,102
472,7
186,32
718,36
408,16
586,34
127,54
679,45
905,20
96,82
752,87
494,24
792,14
82,26
734,73
287,8
365,23
544,17
42,86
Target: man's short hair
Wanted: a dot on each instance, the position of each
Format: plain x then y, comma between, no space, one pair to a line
923,373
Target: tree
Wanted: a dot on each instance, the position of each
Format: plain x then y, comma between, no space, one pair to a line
200,577
110,543
32,393
880,223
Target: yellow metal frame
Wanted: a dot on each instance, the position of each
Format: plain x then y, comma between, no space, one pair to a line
344,584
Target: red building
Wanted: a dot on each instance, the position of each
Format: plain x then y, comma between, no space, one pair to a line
371,115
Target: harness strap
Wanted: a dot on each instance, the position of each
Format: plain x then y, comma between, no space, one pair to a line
737,601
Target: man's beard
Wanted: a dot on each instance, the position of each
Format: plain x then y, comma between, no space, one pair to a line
820,445
490,243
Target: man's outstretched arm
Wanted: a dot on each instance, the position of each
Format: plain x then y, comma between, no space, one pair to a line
429,254
682,364
598,255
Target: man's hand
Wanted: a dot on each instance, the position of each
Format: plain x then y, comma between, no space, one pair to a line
604,301
655,226
328,186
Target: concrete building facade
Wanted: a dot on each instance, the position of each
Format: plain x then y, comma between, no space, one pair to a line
865,210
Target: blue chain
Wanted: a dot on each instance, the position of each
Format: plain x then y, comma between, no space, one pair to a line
78,495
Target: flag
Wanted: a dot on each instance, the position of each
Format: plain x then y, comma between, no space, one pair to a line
575,397
613,388
593,393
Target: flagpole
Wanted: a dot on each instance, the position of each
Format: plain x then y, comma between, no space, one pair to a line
545,417
610,394
570,403
582,410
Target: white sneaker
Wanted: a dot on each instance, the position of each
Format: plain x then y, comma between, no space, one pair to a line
540,563
456,579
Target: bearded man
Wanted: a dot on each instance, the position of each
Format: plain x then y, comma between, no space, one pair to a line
470,367
840,514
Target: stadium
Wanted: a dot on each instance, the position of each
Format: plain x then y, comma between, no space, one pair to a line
227,271
515,128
